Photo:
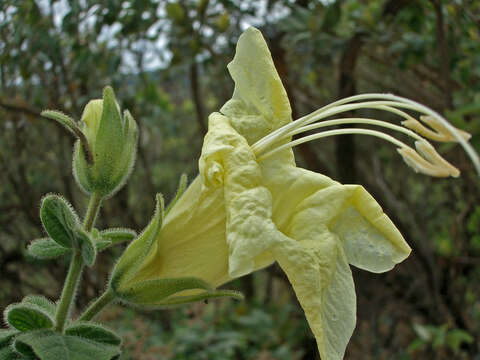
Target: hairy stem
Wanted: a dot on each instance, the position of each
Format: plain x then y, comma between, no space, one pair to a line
76,267
68,292
92,211
98,305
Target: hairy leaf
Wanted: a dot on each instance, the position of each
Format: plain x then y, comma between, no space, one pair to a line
59,220
49,345
26,317
46,249
95,332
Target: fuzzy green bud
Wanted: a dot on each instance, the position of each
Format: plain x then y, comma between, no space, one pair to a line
112,143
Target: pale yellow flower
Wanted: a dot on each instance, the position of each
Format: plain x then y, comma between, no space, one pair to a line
251,206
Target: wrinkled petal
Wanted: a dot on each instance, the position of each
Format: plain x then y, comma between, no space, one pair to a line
250,230
259,103
318,270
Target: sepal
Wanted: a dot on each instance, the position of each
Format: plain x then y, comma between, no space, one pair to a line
182,185
152,292
188,299
136,252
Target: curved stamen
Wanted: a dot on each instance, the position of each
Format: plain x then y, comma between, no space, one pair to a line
430,164
319,115
332,133
353,121
389,103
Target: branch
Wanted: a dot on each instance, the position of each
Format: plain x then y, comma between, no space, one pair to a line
19,108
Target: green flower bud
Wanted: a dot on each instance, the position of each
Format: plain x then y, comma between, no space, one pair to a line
112,143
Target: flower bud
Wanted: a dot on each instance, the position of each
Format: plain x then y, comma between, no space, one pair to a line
112,141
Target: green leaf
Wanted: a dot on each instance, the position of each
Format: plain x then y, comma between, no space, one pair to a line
26,317
59,220
95,332
49,345
6,336
87,247
7,353
42,302
46,249
110,237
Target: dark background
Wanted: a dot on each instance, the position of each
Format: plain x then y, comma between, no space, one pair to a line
167,63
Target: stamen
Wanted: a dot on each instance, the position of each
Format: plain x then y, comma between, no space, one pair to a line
331,133
430,154
442,131
342,121
420,164
317,115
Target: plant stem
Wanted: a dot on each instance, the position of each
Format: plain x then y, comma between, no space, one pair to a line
106,298
74,272
92,211
76,267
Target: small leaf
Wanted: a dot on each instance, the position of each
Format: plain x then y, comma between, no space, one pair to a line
59,220
7,353
95,332
46,249
6,336
110,237
87,247
26,317
49,345
42,302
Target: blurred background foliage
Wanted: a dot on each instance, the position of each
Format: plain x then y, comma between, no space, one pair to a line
167,62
